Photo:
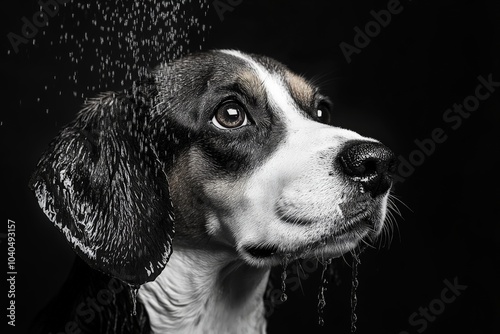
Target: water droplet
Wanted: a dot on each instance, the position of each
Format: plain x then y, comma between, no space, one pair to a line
321,302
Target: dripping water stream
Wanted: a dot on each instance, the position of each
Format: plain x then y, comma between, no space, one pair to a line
322,288
284,296
134,290
354,288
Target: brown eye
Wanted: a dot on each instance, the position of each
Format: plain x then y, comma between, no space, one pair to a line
230,115
323,113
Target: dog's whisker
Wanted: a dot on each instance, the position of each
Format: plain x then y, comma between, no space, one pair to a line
393,220
299,267
345,260
387,231
324,78
393,198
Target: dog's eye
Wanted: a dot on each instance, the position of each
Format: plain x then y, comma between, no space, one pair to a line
323,113
230,115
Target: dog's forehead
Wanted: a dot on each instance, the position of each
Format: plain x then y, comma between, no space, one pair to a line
255,72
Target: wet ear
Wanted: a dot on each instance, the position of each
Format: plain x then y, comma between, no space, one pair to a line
101,183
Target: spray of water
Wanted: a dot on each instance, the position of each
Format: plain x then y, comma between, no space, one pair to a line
106,45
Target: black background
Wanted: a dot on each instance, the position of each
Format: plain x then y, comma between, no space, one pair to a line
396,90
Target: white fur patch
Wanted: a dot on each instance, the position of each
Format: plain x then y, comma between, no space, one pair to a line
193,294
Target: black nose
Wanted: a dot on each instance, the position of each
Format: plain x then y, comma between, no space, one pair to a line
370,164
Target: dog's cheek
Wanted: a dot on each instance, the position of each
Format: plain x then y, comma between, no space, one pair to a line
227,161
229,158
189,201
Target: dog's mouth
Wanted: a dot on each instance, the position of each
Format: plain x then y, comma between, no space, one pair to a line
333,244
356,228
261,252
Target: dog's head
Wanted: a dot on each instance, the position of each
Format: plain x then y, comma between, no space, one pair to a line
234,150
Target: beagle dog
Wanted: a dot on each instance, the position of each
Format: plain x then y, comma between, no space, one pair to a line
236,154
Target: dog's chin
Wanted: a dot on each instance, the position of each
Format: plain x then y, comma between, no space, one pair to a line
325,247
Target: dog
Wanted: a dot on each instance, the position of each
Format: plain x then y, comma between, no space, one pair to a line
236,155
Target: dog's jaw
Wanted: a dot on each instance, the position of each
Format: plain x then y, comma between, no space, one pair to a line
206,291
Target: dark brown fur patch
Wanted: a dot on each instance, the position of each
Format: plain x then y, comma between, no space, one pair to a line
302,92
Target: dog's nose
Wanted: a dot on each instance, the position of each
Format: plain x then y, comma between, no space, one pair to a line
369,163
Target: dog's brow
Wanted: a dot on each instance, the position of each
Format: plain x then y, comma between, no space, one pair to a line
251,84
302,92
248,85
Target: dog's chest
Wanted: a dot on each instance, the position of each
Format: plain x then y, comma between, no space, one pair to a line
192,298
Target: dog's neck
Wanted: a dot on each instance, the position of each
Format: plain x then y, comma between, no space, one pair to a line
206,291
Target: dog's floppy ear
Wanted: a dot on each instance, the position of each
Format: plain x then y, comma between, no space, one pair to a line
102,184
